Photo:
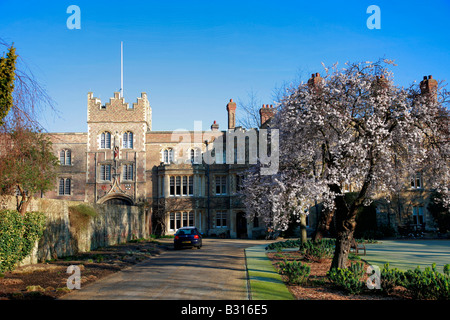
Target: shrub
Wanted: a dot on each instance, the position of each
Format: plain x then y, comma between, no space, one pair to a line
34,223
318,250
280,245
348,279
428,284
296,272
18,235
391,278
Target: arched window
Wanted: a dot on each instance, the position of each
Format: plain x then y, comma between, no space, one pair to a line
194,155
127,141
65,157
64,187
105,140
167,155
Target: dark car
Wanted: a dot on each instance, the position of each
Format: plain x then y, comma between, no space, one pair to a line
187,237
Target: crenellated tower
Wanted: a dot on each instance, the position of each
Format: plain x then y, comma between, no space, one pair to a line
116,158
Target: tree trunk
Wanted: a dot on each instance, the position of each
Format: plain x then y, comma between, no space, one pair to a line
343,242
22,201
345,228
303,233
323,224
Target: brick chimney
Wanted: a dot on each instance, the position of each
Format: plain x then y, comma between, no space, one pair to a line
231,108
266,113
215,126
314,81
428,86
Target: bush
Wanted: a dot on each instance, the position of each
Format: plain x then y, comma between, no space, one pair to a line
391,278
318,250
428,284
34,223
296,272
18,235
312,250
348,279
283,244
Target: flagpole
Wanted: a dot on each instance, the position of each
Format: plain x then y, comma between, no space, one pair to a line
121,69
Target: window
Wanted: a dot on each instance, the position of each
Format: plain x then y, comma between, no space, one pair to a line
221,185
416,181
172,186
167,155
239,182
194,155
127,171
127,141
190,185
181,186
181,219
105,172
221,219
172,221
65,158
220,156
418,215
191,219
177,186
178,220
105,140
185,186
185,219
64,186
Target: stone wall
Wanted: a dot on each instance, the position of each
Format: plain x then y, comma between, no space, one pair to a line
62,237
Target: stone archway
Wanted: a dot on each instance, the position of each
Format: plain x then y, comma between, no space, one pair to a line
117,199
241,225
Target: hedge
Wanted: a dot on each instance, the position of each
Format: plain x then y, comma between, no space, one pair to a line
18,235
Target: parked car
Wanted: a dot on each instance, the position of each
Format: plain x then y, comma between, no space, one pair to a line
187,237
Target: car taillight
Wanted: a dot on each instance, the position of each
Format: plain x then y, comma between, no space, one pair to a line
196,236
177,237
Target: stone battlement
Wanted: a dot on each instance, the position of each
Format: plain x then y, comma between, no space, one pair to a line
117,110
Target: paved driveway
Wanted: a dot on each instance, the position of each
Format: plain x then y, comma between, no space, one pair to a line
215,272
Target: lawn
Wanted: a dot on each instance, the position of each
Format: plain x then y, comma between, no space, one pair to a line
408,254
265,282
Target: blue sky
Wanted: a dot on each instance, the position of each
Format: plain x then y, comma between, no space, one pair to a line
191,57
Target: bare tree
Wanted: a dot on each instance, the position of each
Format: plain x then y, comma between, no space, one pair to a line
248,111
27,163
30,99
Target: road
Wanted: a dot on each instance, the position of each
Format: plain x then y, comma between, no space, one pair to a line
215,272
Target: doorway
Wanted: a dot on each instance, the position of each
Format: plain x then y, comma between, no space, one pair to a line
241,225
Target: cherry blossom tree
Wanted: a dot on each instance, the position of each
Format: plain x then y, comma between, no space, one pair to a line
353,127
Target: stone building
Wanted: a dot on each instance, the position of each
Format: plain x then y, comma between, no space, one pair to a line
121,160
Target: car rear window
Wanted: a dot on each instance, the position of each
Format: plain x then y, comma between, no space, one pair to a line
186,232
